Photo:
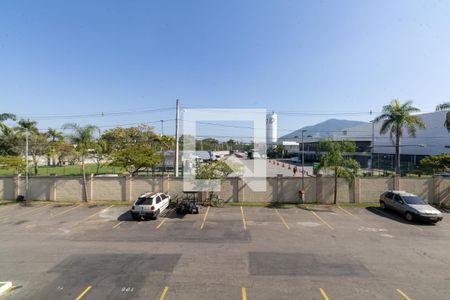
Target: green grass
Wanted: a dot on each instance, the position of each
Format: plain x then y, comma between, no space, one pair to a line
5,202
68,170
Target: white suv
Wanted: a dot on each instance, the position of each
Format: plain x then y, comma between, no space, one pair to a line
149,205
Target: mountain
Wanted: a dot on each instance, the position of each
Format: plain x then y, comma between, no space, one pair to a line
323,129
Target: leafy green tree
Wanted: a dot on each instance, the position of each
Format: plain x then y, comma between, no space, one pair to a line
215,170
101,153
438,162
231,144
38,146
280,150
118,138
10,142
335,159
207,144
63,152
134,157
12,162
396,117
83,138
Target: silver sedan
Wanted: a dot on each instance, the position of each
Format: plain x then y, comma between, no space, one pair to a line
411,206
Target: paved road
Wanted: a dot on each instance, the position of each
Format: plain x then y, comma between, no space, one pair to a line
272,168
83,252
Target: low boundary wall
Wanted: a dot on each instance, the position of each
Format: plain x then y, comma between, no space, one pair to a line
279,189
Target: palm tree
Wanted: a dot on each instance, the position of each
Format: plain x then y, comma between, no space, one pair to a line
4,117
54,135
25,124
336,160
445,106
396,117
83,139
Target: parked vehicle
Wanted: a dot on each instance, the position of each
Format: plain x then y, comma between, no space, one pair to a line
411,206
188,204
149,205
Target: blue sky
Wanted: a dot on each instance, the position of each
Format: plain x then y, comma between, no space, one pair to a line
332,58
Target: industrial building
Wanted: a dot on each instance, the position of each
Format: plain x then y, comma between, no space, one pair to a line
434,139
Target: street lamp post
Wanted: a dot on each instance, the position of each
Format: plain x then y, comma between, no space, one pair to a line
303,162
371,148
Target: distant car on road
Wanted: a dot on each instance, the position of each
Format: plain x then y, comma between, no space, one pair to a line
411,206
443,174
149,205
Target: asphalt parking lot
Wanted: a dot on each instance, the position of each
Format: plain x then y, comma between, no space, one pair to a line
97,252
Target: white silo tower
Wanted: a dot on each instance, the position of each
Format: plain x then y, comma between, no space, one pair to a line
271,128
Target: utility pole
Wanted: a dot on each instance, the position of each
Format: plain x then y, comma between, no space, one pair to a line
177,137
162,127
26,164
371,148
303,162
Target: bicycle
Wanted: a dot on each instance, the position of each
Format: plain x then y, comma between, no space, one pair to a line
216,201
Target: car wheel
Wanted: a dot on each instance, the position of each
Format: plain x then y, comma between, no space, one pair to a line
382,205
409,216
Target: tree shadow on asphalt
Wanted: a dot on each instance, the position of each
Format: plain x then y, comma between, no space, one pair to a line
168,214
392,215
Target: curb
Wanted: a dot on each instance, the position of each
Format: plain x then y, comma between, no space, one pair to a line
5,286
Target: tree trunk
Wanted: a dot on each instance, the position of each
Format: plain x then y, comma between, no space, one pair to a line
335,184
85,196
397,152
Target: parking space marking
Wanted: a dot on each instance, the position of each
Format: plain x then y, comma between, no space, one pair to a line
67,210
117,225
390,217
324,295
403,294
322,220
243,218
163,295
244,294
204,218
346,211
32,210
160,224
282,219
87,218
83,293
168,212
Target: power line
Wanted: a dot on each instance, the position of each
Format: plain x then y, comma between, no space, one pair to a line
94,114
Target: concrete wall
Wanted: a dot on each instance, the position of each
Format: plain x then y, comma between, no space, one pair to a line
256,196
141,185
419,186
442,190
6,188
279,189
109,188
69,188
372,187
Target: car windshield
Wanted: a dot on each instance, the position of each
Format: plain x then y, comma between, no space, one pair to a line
413,200
144,201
